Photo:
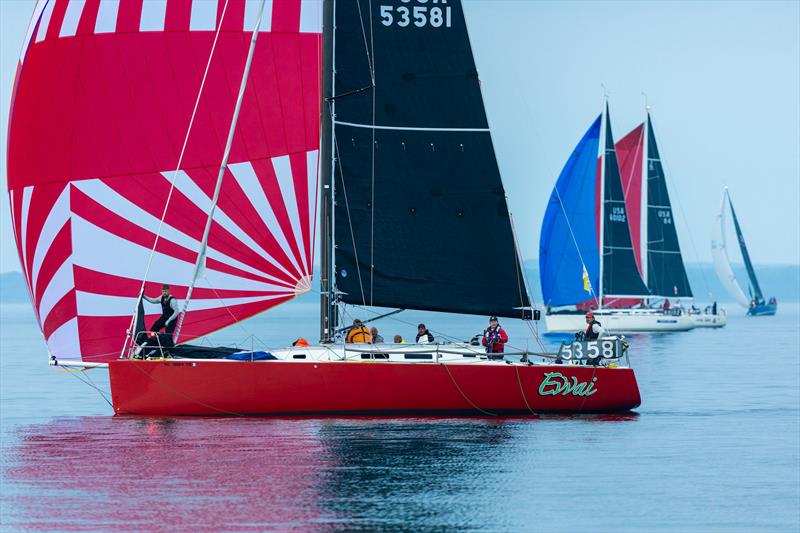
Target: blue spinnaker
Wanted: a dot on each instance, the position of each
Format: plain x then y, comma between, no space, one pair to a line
572,205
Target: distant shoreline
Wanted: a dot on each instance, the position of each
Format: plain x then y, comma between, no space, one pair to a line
780,281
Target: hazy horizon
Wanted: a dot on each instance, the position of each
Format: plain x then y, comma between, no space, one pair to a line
723,80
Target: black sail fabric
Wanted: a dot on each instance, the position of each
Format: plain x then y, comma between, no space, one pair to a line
421,220
620,274
755,288
666,274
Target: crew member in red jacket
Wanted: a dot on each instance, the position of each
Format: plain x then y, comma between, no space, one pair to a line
495,339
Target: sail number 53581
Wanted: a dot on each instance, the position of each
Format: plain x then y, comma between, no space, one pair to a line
418,15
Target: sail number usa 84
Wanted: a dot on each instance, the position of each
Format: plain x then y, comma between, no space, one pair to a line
419,13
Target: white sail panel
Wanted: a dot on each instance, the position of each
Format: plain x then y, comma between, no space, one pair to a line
93,143
722,263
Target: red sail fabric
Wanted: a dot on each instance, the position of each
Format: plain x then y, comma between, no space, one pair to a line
102,102
629,154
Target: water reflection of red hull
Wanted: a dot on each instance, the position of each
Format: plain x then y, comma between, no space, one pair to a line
276,387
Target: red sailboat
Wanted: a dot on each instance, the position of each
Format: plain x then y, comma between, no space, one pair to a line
180,142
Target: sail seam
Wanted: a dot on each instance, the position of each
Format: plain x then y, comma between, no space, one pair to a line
407,128
177,168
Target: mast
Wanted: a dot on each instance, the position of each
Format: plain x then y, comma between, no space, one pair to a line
201,254
328,310
644,228
602,146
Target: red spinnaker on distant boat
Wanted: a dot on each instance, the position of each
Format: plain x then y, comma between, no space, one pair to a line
102,103
629,154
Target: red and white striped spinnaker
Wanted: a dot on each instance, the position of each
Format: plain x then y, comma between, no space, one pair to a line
103,99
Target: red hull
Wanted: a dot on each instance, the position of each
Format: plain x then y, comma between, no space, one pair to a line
219,388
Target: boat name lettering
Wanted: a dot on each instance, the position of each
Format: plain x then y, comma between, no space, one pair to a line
556,383
421,15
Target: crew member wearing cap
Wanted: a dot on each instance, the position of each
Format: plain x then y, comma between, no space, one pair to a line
423,335
495,339
594,330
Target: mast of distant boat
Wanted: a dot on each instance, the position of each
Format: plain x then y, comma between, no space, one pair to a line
644,216
603,128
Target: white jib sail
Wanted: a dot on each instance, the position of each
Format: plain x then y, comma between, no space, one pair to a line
722,263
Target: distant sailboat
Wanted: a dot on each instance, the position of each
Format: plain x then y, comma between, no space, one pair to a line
588,213
755,305
652,224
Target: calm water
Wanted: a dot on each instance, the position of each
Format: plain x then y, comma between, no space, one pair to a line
714,446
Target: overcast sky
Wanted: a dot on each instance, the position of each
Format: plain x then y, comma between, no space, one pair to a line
723,80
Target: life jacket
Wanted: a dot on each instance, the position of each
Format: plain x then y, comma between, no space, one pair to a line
360,335
590,335
495,340
166,309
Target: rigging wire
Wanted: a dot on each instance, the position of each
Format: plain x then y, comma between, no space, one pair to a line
489,413
88,383
201,254
447,337
175,174
349,218
372,165
534,329
685,220
575,242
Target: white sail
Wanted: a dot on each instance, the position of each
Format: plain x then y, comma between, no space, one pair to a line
722,263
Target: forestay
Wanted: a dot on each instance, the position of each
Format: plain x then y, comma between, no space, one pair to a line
104,96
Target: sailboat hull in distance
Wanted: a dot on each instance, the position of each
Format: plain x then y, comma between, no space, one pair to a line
470,387
765,309
620,321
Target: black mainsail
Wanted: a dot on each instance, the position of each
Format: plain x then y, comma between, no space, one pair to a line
666,273
755,288
620,276
421,219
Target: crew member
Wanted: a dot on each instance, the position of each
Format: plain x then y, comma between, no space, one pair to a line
423,335
152,342
376,337
169,311
494,338
358,334
594,330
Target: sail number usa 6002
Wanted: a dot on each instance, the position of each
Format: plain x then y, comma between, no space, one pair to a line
418,13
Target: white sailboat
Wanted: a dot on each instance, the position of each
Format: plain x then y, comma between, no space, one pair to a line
755,305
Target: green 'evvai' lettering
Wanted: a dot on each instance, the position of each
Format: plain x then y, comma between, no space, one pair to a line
557,383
